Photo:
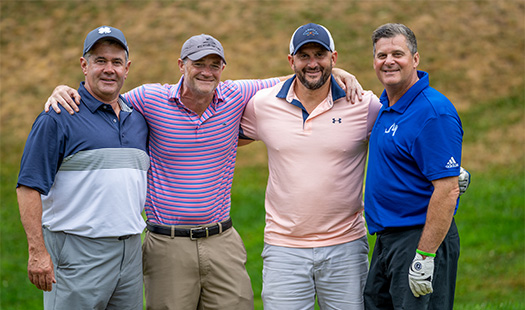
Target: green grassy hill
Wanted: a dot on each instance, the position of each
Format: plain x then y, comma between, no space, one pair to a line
473,50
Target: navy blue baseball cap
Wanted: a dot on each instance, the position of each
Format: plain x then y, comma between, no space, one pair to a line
311,33
101,33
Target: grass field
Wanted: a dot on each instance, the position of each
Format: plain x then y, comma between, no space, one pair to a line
490,220
473,50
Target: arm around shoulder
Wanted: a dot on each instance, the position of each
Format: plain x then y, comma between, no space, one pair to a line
66,96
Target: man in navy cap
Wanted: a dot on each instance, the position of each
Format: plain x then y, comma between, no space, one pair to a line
85,244
315,244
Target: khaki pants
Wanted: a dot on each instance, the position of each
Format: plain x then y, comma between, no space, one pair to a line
206,273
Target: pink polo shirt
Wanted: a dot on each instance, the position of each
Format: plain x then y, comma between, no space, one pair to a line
316,164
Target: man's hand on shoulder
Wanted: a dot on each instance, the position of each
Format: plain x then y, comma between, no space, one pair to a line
348,82
66,96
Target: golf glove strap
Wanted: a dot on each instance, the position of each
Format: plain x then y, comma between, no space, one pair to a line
420,275
464,180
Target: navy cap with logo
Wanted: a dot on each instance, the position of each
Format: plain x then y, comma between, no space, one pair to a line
104,32
311,33
201,46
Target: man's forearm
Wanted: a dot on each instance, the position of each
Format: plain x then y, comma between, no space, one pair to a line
440,213
40,265
30,207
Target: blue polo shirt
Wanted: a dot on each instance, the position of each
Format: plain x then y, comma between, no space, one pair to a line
90,168
413,142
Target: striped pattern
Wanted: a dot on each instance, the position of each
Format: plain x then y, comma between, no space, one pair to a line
110,158
192,157
109,187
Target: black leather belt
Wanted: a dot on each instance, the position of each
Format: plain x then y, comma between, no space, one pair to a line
193,233
124,237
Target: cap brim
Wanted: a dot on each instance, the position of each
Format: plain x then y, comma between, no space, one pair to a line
202,54
88,48
298,47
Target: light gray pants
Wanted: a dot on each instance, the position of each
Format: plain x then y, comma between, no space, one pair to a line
94,273
294,277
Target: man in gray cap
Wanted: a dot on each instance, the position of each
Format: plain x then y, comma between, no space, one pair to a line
85,245
193,257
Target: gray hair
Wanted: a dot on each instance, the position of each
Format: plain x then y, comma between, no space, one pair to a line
391,30
109,41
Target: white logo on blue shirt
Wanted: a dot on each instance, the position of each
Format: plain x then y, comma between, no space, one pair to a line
452,163
392,129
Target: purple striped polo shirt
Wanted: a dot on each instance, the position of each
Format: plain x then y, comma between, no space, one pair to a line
192,157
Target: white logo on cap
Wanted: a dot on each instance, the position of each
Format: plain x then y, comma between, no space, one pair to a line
103,30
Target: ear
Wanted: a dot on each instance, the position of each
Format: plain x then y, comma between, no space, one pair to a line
181,65
290,60
127,69
416,60
334,58
84,65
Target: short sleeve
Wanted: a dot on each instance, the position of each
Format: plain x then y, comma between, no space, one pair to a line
437,149
249,121
43,152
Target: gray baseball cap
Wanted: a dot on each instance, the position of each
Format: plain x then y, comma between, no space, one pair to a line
104,32
201,46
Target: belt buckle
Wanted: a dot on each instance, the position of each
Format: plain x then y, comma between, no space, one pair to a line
196,228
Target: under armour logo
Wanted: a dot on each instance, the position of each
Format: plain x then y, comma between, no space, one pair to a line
336,120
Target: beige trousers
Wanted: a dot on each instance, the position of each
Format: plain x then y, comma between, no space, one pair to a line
207,273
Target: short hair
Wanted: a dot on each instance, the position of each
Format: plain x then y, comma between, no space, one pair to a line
391,30
109,41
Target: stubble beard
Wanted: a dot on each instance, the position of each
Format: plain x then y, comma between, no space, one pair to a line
301,75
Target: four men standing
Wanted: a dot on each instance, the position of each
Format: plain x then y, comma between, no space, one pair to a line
317,143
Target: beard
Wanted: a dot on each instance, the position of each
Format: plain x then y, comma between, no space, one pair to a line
313,85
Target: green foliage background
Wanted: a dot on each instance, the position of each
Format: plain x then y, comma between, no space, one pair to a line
473,50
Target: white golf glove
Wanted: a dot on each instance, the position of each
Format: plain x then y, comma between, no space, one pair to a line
420,275
464,180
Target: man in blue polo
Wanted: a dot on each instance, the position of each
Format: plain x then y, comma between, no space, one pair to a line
81,192
412,183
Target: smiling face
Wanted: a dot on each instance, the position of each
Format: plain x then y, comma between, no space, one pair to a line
105,69
395,66
313,65
202,76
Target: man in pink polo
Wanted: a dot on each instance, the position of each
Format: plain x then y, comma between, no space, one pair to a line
317,140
